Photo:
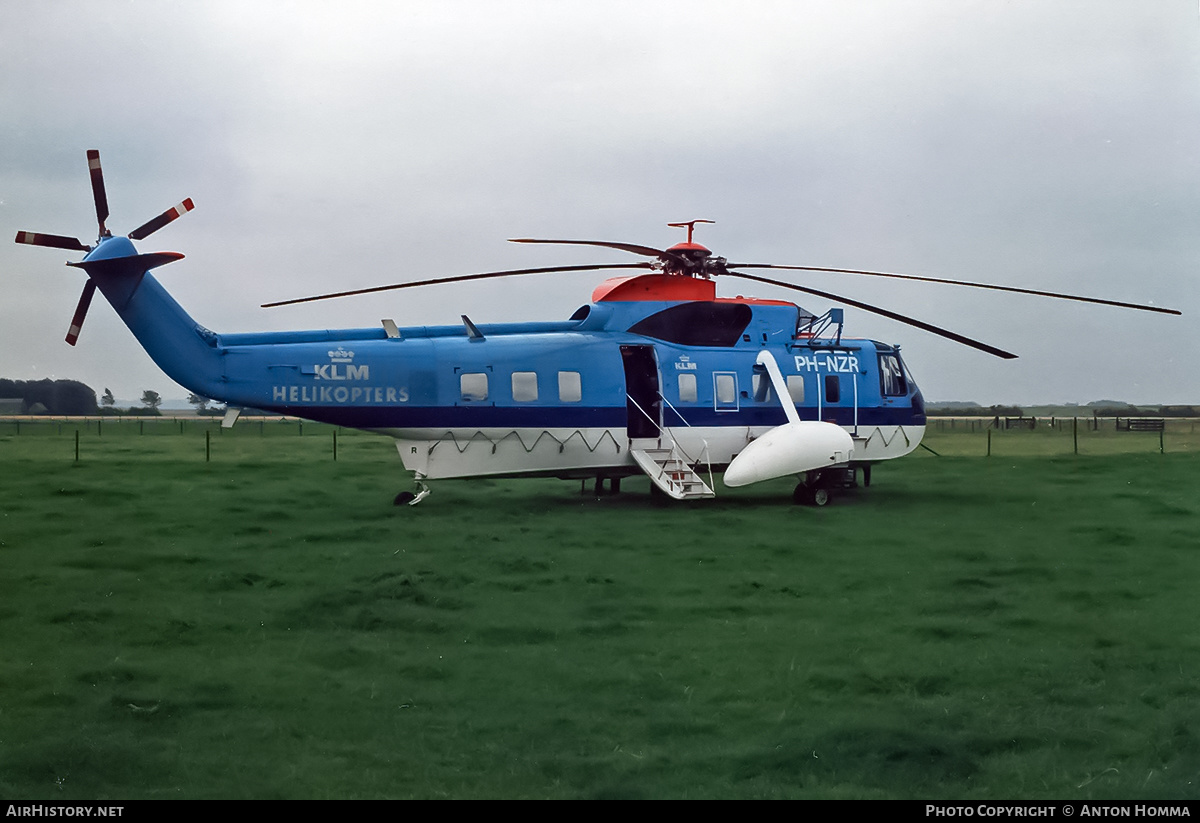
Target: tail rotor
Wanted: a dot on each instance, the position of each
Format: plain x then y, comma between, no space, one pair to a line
58,241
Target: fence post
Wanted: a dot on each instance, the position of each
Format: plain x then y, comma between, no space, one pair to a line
989,435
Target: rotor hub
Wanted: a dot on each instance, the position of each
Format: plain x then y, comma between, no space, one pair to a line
692,255
692,259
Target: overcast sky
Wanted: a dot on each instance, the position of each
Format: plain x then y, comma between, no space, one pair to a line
1049,145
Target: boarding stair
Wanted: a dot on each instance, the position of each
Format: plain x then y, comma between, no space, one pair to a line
667,469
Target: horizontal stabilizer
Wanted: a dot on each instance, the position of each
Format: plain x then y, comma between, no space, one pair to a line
131,264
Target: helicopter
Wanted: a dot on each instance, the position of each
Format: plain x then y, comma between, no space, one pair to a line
655,375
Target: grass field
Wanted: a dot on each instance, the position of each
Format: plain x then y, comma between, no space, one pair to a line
266,624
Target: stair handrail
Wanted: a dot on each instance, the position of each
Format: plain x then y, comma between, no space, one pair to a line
690,461
661,428
704,454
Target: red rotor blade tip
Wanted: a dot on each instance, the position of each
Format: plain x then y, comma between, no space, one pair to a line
174,213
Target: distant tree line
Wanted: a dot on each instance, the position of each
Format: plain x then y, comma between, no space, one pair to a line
149,408
1114,409
1128,410
966,410
200,402
70,397
50,396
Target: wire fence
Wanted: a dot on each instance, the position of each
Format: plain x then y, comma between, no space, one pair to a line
122,426
944,436
188,437
1043,436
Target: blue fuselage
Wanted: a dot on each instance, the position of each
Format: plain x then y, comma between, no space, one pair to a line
635,365
559,374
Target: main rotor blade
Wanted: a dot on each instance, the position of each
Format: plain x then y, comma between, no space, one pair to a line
1036,292
633,247
54,241
920,324
150,226
85,300
456,279
98,194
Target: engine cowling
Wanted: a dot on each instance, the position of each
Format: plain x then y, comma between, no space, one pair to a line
793,448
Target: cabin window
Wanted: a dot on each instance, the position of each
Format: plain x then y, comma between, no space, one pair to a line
891,376
570,389
725,391
795,384
524,386
833,388
687,388
761,383
473,386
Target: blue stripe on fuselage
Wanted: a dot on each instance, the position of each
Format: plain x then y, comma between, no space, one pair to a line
546,417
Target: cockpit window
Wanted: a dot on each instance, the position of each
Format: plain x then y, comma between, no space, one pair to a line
701,323
891,376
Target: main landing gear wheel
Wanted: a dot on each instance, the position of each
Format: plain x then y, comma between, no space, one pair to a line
806,495
412,498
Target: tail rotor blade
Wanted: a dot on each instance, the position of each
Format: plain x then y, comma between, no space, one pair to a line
98,194
174,213
85,300
54,241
